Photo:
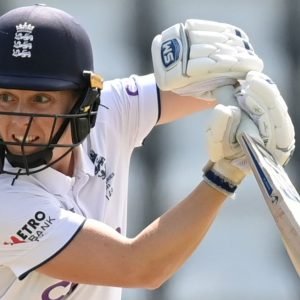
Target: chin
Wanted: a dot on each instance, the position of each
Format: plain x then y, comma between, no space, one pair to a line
16,150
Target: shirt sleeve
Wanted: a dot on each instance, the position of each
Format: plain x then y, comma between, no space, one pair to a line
34,228
134,106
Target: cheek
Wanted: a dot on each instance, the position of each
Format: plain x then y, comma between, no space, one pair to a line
4,126
67,136
50,127
49,124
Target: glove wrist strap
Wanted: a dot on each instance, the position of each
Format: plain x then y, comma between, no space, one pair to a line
217,181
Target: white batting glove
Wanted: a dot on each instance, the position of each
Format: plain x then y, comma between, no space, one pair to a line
228,164
196,57
262,113
260,98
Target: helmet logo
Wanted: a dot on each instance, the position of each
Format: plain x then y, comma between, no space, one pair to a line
22,41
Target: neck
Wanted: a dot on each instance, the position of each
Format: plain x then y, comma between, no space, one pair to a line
65,165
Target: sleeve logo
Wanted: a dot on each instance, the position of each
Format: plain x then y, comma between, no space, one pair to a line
33,230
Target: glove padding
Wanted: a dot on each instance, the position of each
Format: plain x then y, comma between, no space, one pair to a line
260,98
262,113
196,57
228,164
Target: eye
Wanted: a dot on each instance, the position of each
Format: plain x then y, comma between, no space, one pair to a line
42,98
6,97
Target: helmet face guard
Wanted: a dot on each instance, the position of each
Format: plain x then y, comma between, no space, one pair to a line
45,49
81,118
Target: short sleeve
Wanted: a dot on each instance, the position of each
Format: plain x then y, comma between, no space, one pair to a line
133,108
34,228
149,106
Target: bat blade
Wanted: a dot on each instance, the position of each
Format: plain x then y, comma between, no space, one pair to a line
279,193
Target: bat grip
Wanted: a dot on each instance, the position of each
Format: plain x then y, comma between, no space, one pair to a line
225,96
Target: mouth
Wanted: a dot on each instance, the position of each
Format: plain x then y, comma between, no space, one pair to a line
21,139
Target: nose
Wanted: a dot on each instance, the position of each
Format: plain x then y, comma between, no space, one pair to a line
18,119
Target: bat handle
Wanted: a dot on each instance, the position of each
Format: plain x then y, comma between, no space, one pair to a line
225,96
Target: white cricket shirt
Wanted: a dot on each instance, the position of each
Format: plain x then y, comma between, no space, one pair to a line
41,213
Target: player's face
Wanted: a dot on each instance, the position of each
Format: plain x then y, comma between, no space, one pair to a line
13,127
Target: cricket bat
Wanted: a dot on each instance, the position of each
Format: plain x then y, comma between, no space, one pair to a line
279,193
277,189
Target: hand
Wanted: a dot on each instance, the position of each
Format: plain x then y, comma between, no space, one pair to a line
262,113
196,57
228,165
260,98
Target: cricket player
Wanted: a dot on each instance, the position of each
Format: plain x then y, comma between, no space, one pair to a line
66,139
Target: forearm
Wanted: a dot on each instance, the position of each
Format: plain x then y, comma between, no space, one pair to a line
103,256
167,242
174,107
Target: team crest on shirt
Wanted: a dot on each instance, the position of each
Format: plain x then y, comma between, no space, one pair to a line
23,41
101,172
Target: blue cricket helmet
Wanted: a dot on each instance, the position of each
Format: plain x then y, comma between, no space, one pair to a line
43,48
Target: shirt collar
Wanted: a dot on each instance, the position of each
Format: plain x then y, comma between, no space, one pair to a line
58,183
54,182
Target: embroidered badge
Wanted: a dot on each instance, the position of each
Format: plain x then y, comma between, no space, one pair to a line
22,41
101,172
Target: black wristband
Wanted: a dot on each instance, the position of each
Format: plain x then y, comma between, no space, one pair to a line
220,181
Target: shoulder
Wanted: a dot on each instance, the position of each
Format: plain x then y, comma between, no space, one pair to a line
130,108
126,88
24,201
24,188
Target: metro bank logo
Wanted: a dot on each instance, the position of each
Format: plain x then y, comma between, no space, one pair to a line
33,230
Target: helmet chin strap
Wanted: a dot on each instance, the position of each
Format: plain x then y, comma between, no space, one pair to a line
37,159
30,161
